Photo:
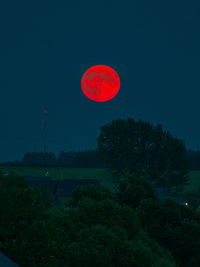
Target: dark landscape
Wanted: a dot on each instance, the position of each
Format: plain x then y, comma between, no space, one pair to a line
99,133
99,216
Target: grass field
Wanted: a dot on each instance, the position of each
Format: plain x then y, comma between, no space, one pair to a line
79,173
54,173
60,173
194,181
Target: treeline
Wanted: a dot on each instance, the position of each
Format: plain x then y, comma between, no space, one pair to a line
71,159
82,159
128,146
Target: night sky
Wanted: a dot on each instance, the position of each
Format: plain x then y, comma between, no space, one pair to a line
46,47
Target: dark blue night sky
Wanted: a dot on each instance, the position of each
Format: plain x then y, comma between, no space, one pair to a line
46,47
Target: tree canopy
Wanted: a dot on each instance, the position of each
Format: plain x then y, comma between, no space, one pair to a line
127,146
173,226
96,231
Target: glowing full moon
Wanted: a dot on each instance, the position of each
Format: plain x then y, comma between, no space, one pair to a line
100,83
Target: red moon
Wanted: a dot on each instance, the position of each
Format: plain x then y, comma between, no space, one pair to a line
100,83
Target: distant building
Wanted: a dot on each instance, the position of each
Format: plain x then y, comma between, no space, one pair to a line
60,189
160,191
6,262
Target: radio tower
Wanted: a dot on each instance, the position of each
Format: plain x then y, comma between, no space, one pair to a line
45,132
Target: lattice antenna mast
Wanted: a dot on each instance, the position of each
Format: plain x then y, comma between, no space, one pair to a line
45,131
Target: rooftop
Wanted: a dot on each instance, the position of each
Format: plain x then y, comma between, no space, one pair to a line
161,194
6,262
60,188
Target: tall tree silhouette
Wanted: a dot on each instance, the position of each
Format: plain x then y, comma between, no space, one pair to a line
127,146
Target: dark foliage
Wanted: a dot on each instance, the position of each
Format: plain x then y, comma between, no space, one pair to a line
93,233
193,197
96,193
132,190
138,147
85,159
72,159
194,159
39,159
175,227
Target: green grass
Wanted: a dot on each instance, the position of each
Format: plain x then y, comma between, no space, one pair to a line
194,181
83,173
61,173
55,173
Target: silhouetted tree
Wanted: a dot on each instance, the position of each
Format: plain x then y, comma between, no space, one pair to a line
96,193
174,226
134,189
126,147
85,159
112,237
102,246
96,232
39,159
65,158
72,159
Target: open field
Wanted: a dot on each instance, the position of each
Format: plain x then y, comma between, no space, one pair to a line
194,178
60,173
79,173
54,173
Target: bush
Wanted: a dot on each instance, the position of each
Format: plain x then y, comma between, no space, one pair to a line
175,227
100,246
96,193
133,190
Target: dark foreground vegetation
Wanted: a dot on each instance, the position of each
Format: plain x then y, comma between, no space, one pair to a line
128,226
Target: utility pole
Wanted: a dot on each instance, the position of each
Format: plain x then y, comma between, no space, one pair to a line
45,132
